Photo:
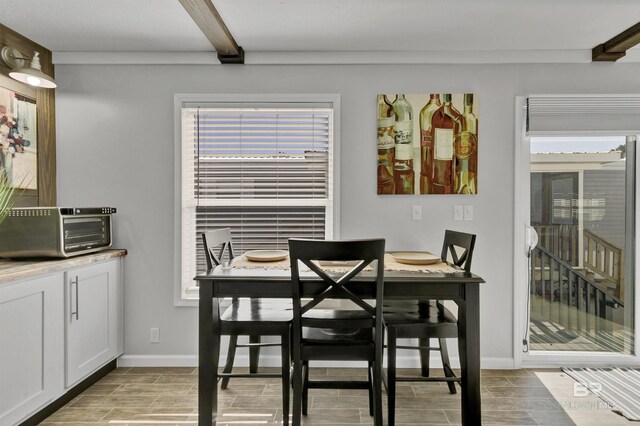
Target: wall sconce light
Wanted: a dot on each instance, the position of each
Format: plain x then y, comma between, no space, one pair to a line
21,70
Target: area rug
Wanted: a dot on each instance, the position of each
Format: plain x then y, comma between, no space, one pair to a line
618,387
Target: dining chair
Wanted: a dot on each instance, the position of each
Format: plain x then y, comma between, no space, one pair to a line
322,334
251,317
424,320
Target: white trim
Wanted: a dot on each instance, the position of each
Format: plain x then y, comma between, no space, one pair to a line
177,205
636,305
575,56
158,361
520,221
274,361
542,359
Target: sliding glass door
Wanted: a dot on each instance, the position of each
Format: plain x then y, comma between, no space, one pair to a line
581,273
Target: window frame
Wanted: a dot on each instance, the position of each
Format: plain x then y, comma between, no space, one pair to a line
183,100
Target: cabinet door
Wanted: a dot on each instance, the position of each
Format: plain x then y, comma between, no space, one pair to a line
31,350
91,318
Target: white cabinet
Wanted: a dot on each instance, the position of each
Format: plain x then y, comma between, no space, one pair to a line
60,321
31,345
93,318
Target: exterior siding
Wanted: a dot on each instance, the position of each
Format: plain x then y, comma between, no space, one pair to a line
604,211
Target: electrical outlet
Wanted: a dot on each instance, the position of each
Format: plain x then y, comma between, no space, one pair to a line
468,212
457,212
416,212
155,335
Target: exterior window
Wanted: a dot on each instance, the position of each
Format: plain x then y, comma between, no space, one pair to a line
264,171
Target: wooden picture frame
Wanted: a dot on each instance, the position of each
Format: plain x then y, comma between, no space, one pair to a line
45,194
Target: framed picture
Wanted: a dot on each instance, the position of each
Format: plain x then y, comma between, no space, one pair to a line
427,144
18,140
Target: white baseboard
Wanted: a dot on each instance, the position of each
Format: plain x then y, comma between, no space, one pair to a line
274,361
158,361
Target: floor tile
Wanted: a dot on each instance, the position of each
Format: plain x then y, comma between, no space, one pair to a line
68,415
155,395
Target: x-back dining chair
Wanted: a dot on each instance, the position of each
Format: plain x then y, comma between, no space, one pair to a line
333,334
425,320
253,318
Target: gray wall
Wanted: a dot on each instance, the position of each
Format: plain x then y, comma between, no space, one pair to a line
116,144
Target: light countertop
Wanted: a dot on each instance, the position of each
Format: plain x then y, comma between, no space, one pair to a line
18,269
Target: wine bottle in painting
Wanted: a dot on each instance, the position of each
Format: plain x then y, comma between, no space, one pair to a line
403,174
442,131
386,145
466,149
426,143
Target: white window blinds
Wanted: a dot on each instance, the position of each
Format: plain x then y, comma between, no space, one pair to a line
583,113
264,172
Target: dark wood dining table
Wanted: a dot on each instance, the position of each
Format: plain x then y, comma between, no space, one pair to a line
225,281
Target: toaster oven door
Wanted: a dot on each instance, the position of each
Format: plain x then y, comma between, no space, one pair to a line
82,233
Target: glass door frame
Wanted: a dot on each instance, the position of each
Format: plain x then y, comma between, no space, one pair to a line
522,188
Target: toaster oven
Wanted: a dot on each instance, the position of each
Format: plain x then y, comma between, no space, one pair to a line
55,231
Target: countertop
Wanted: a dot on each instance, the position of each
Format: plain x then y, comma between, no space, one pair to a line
18,269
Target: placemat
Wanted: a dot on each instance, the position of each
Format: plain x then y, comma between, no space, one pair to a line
390,264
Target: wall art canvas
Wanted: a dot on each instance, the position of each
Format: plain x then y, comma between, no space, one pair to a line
427,144
18,140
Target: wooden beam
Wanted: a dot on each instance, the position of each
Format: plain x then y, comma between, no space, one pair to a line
617,47
213,27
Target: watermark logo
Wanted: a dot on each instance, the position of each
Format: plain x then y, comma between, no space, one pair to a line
581,390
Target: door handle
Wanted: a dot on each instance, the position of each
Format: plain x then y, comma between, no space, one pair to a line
75,282
531,239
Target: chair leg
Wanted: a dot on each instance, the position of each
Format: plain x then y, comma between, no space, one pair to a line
424,357
305,387
448,372
377,390
254,354
297,390
370,379
391,374
231,355
285,378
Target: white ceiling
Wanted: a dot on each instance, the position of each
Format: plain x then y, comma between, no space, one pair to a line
561,28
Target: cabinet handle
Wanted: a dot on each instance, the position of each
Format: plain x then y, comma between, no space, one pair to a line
77,301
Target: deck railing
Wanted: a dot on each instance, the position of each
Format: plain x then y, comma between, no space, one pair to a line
599,256
560,240
606,260
557,282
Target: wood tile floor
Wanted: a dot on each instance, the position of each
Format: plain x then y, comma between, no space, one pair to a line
168,396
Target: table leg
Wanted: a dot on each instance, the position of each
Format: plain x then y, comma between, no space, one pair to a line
469,350
208,354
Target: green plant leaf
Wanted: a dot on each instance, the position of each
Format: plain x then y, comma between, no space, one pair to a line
7,199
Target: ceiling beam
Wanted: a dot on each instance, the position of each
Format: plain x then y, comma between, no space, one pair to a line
617,47
213,27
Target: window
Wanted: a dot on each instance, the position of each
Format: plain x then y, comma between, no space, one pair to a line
263,169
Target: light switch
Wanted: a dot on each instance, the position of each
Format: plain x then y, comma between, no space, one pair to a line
468,212
457,212
416,212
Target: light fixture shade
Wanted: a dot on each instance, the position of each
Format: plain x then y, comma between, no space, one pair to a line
33,77
31,74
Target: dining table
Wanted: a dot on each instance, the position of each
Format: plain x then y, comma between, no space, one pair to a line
242,278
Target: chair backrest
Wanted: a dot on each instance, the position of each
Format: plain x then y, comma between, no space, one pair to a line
215,243
460,246
335,285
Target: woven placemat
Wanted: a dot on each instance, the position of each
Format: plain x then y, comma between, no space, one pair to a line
390,264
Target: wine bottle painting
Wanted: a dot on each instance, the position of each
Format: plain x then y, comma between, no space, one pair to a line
427,144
